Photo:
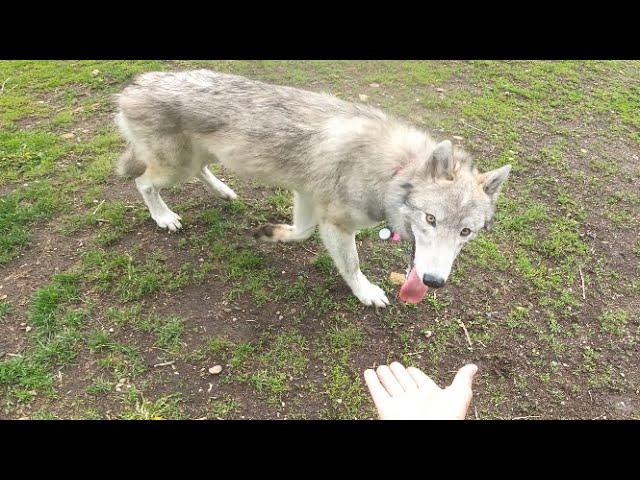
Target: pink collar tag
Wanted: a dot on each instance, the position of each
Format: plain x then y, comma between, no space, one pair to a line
395,237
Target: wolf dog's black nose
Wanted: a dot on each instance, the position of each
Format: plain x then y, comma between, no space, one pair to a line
431,281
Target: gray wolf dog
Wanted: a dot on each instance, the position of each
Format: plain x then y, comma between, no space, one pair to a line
349,165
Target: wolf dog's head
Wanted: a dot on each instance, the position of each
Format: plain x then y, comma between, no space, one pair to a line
444,205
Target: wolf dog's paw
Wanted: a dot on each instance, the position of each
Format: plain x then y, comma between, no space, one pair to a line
371,295
221,190
169,220
226,193
267,233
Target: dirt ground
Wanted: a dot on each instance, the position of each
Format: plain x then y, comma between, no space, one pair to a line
104,315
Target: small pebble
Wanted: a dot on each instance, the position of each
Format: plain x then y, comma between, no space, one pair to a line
374,85
363,97
458,137
95,72
583,150
215,370
67,135
440,90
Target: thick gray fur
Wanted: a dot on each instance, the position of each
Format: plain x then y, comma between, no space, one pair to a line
350,165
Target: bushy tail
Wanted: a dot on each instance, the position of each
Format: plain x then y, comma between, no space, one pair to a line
128,166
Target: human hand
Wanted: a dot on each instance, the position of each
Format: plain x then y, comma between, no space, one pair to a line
408,394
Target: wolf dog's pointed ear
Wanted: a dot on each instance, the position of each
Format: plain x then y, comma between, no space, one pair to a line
440,163
492,181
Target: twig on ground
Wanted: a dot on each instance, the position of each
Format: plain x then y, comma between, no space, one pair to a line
310,251
164,364
528,416
475,128
584,296
466,333
3,84
156,348
98,207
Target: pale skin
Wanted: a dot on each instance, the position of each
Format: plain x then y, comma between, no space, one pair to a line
401,393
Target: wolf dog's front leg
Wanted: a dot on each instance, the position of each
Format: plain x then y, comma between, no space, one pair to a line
215,185
342,248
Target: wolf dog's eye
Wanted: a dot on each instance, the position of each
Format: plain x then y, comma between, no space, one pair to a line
465,232
431,219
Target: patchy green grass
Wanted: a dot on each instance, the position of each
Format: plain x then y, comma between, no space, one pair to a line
167,331
5,309
110,221
222,408
120,359
82,283
20,209
343,385
129,278
167,407
52,344
277,365
613,321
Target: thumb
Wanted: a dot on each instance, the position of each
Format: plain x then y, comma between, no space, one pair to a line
464,378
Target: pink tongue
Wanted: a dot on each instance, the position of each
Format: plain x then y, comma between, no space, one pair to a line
412,290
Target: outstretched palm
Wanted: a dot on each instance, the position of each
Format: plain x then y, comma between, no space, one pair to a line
401,393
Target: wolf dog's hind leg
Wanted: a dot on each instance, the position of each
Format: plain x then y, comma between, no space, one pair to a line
342,248
162,214
215,185
304,223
